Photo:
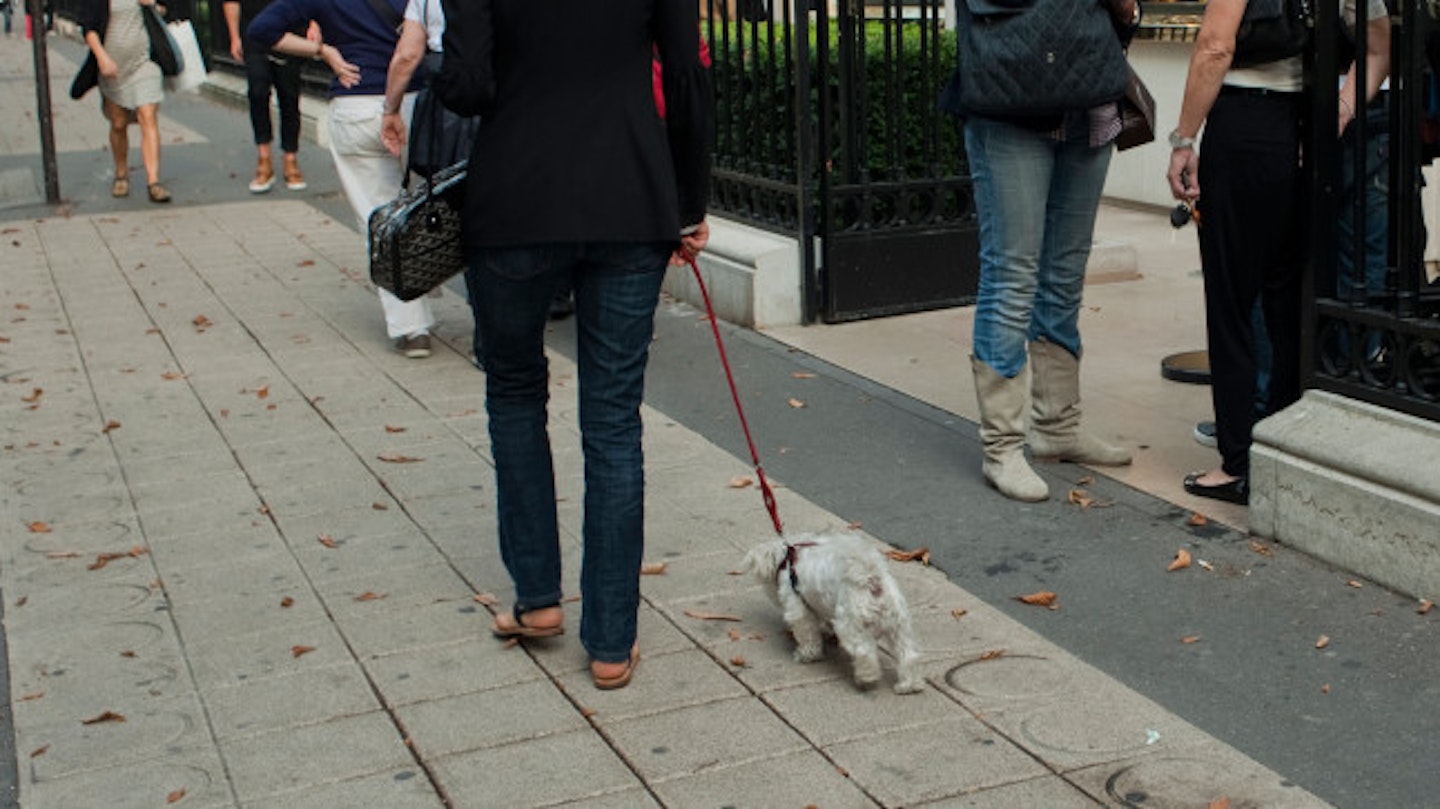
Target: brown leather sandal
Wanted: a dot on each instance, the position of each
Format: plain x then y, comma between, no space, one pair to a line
121,186
158,193
513,624
619,680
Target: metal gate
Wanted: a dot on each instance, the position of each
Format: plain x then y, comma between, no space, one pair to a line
827,130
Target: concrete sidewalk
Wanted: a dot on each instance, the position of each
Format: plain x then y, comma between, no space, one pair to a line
237,519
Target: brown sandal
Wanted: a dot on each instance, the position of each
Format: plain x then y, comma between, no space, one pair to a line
619,680
514,626
158,193
121,186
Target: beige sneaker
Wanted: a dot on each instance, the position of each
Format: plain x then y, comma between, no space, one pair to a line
416,347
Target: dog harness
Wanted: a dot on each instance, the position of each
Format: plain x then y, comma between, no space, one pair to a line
791,551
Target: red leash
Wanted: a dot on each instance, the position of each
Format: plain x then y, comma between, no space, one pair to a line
765,492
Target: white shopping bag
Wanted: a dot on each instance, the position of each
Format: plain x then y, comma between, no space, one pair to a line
192,72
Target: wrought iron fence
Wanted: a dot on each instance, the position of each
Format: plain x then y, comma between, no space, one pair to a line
827,128
1373,319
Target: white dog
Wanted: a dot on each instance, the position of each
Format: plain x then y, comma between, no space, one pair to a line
838,584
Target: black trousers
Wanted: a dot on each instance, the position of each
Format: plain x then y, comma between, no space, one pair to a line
265,70
1250,242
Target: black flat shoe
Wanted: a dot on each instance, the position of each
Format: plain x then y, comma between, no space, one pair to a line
1236,491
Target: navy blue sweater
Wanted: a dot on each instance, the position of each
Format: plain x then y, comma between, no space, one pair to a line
351,26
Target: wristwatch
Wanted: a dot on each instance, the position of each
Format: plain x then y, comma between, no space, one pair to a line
1178,141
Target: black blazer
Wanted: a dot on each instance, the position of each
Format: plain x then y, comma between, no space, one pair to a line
572,148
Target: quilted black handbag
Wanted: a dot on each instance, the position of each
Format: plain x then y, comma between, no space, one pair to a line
415,243
1035,57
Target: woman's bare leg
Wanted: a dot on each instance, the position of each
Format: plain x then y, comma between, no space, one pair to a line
149,118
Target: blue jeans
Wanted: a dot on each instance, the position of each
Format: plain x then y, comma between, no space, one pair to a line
616,290
1373,185
1036,198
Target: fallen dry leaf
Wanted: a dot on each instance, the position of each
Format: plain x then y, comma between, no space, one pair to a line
38,527
1220,803
39,751
1425,606
108,716
734,634
32,696
921,555
201,322
395,457
1044,598
1190,639
510,644
327,540
1181,560
1081,498
370,596
379,507
1205,564
1325,689
296,651
992,654
1197,520
104,559
1263,550
176,796
22,601
171,376
391,429
802,375
959,612
486,598
1353,583
587,712
712,616
741,481
1085,481
33,397
738,662
1322,642
652,569
262,391
287,602
308,262
129,653
110,425
795,403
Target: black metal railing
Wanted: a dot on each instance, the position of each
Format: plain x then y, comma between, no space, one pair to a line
1373,314
827,127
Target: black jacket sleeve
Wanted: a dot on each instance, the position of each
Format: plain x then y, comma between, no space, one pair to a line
689,104
466,83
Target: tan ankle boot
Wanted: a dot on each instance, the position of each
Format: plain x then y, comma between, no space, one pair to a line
294,180
264,176
1055,433
1003,403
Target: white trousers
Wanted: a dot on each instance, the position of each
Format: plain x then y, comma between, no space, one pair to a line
371,177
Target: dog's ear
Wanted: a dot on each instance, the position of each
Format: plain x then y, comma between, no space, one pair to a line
763,560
